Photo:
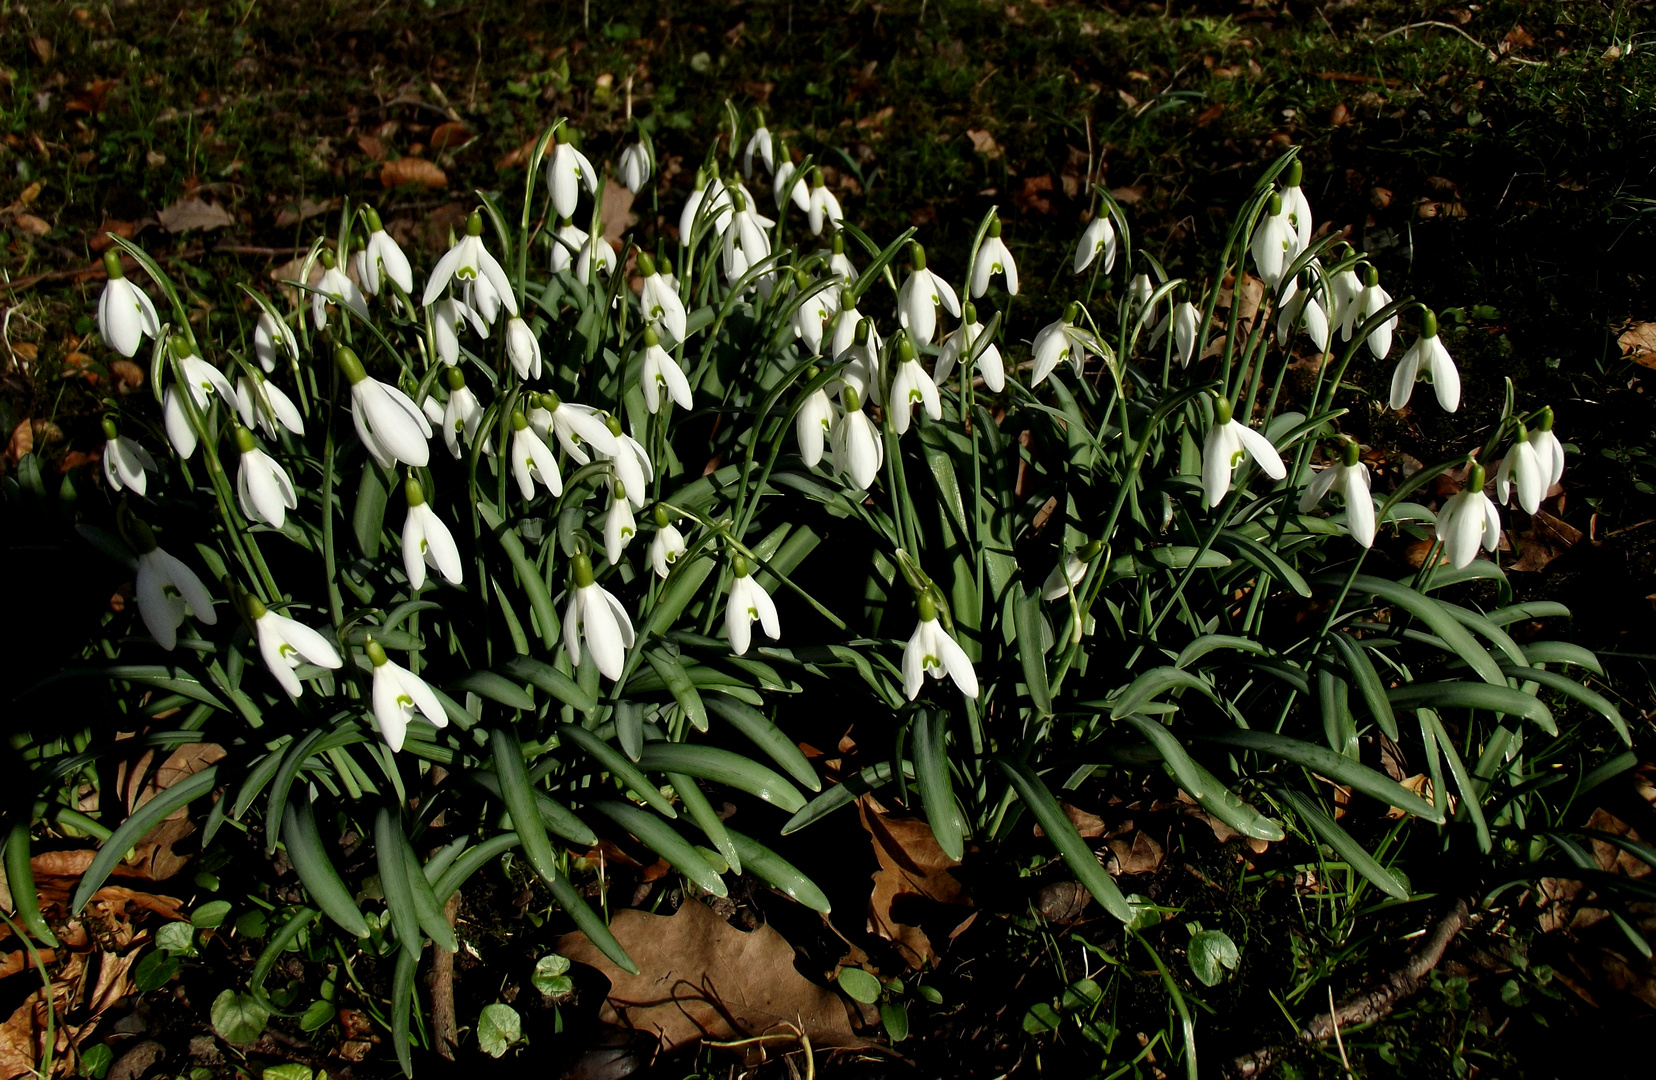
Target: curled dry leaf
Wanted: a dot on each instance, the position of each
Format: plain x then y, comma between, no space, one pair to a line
984,143
21,442
128,376
412,170
699,977
451,136
913,889
194,212
1638,343
30,224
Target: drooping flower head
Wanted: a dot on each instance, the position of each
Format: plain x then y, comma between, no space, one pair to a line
1369,303
1070,570
1427,361
383,259
634,167
813,423
596,618
958,347
335,288
261,403
1060,341
271,338
567,171
759,144
1294,203
858,449
285,643
465,262
1275,242
125,314
933,651
398,695
532,459
824,207
660,375
462,416
918,299
1467,521
166,589
1349,479
659,300
911,386
1097,239
1229,443
667,546
749,603
262,485
389,424
426,541
994,257
125,461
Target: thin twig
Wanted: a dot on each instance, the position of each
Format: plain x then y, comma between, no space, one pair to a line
1440,25
445,1033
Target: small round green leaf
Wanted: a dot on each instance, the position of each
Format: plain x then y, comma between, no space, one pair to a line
1040,1019
318,1016
291,1071
498,1027
154,971
894,1015
176,937
211,914
238,1018
1212,953
550,976
860,985
252,924
96,1060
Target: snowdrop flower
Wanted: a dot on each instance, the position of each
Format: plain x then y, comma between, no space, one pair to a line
1183,319
398,695
667,546
813,313
846,327
1099,238
334,288
597,250
824,207
634,167
745,243
659,299
198,377
1427,360
179,430
759,144
523,348
125,314
1063,340
383,260
598,618
286,643
932,651
577,427
426,540
270,334
660,375
389,424
1299,309
862,362
1533,465
567,170
813,423
748,604
533,460
958,346
1228,444
630,463
911,386
1275,242
619,524
709,192
262,485
994,258
1140,289
262,403
462,416
1344,288
1368,304
858,449
166,590
567,243
1069,571
1294,205
482,297
125,461
1349,479
789,183
918,299
1468,519
465,262
839,263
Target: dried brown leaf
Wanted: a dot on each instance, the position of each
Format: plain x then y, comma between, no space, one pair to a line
984,143
30,224
412,170
451,136
194,212
1638,343
913,889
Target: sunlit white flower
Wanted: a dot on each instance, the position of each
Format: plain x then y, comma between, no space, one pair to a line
667,546
271,337
993,257
567,243
846,327
911,386
709,200
286,643
748,604
630,463
567,171
200,378
1547,447
811,316
746,244
1183,319
660,375
389,424
858,449
1060,341
824,207
180,432
812,425
398,695
1429,361
125,314
598,618
839,263
659,300
1344,289
1533,465
1295,206
383,260
462,416
335,288
1468,520
1349,479
634,167
958,346
576,426
1140,289
1368,304
1070,570
759,144
1275,242
465,262
789,183
262,485
932,651
125,461
1300,309
862,362
596,250
482,297
919,297
427,541
261,403
533,460
620,527
1228,444
167,590
1098,238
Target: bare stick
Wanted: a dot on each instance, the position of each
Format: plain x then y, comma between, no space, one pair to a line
444,1031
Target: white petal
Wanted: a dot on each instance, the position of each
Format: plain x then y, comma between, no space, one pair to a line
956,664
603,634
914,654
413,548
388,710
1260,449
271,640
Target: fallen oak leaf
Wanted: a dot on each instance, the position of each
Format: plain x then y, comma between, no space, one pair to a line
912,885
412,170
194,212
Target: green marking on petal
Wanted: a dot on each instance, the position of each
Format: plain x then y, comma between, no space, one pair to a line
1237,457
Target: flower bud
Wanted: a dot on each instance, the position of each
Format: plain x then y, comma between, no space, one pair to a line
968,313
376,653
349,365
244,438
181,347
112,265
917,255
413,492
646,265
474,224
371,216
455,378
519,421
581,566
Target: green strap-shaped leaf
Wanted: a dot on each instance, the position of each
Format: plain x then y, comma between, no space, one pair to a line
528,574
767,737
1430,612
683,587
1470,695
305,850
723,767
1480,624
1262,557
1355,855
553,814
292,761
843,794
1026,617
672,675
390,851
1152,684
141,821
1202,785
1368,683
21,883
544,676
1471,804
1209,642
471,861
662,839
1567,686
618,765
1532,609
495,687
1337,767
1061,831
402,1004
778,872
706,818
931,764
1562,652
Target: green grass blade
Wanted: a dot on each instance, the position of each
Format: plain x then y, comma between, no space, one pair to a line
662,839
766,736
141,821
1061,831
931,766
1355,855
723,767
